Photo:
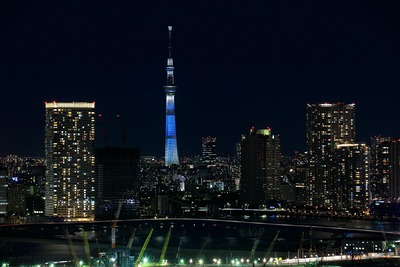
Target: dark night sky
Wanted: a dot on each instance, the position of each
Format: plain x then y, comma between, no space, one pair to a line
237,64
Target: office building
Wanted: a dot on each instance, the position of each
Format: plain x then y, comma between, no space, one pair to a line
69,152
171,149
260,168
209,150
327,126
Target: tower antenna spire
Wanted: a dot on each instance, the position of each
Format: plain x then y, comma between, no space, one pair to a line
170,61
170,42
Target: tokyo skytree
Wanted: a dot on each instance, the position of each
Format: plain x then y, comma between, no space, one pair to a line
171,150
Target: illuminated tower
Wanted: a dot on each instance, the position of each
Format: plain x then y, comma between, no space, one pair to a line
171,150
69,151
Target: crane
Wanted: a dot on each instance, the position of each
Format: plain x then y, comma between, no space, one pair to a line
271,246
114,225
300,251
179,247
105,131
253,250
164,250
71,247
87,248
146,242
203,245
130,242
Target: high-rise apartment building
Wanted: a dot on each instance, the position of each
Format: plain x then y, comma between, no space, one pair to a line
171,149
209,150
327,125
69,152
350,190
385,168
260,167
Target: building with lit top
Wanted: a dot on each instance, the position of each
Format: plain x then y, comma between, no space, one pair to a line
70,156
171,149
260,167
327,125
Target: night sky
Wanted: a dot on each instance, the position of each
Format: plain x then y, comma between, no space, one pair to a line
238,64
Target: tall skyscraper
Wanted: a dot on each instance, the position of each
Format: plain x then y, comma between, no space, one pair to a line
171,150
69,152
260,167
328,125
209,150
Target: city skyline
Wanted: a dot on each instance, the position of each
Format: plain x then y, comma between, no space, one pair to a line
238,65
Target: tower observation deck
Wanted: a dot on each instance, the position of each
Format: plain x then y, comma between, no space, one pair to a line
171,150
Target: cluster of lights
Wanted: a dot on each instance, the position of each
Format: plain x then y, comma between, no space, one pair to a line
217,261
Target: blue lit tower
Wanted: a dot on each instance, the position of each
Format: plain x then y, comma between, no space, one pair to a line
171,150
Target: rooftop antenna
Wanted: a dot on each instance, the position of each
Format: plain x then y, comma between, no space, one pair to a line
105,130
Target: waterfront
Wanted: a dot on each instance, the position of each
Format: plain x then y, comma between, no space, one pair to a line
191,239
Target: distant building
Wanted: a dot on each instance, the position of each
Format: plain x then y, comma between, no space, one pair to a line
364,247
16,195
209,150
383,209
69,151
294,170
117,179
35,183
327,125
260,167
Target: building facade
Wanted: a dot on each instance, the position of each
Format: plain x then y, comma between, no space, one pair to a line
351,181
171,148
16,196
327,125
260,167
70,160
